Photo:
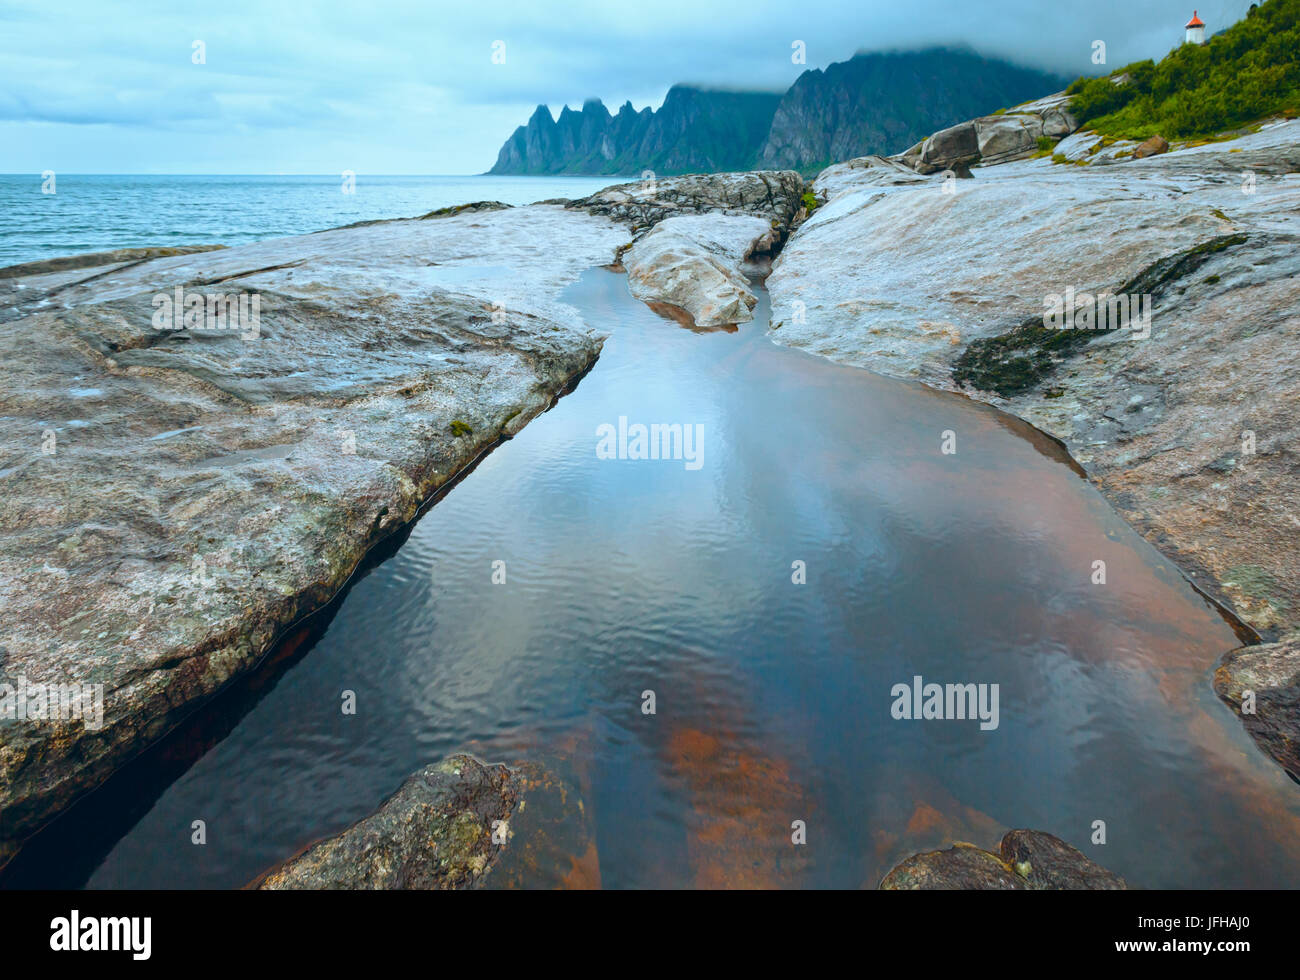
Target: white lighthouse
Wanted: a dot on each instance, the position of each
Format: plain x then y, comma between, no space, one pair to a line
1195,30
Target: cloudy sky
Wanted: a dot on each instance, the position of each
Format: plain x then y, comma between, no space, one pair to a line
380,87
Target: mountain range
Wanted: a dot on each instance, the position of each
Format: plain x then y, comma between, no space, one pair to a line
878,102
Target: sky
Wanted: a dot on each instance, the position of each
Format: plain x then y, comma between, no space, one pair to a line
97,86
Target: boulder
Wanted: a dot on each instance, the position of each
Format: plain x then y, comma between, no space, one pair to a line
992,140
1059,121
1262,685
1151,147
1049,863
1027,860
692,236
443,829
693,262
1008,137
962,866
949,148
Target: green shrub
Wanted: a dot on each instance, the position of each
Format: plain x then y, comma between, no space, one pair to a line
1246,73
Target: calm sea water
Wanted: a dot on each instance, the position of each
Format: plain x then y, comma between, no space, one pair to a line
92,212
773,698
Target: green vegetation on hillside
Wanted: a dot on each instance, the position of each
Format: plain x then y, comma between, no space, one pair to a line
1248,72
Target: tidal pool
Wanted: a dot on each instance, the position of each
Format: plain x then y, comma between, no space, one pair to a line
772,696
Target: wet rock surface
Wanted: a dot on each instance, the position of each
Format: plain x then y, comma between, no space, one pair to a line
962,866
1187,430
552,838
443,829
1047,862
1262,685
861,172
461,823
174,499
1027,860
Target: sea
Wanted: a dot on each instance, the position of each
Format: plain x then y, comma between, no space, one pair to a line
45,216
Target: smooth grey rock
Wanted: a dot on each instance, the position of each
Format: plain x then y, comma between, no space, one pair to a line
694,262
908,279
705,229
172,500
870,171
956,146
117,257
1009,137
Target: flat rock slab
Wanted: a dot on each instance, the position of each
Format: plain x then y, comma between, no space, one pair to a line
1027,860
1188,430
1262,684
171,500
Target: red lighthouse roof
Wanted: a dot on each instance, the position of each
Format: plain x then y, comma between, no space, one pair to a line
1195,21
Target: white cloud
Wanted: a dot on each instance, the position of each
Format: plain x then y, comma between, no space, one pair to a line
409,87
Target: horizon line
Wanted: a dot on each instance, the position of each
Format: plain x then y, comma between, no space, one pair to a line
333,174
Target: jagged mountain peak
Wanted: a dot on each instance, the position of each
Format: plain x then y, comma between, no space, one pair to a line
875,102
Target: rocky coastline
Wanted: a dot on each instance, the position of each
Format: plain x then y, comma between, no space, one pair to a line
175,497
177,494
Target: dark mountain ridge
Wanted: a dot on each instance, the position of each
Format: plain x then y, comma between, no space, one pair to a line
695,130
878,102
